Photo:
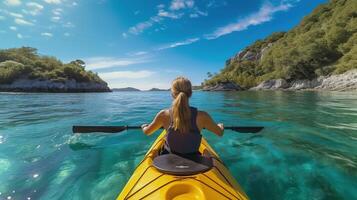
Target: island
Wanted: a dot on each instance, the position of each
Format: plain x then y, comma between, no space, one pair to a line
158,90
318,54
126,89
24,70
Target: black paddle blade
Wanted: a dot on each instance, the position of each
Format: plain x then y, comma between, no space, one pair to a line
102,129
245,129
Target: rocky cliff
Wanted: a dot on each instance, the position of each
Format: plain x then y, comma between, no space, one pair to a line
23,69
320,47
249,55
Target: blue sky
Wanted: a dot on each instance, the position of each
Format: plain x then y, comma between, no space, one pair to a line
146,43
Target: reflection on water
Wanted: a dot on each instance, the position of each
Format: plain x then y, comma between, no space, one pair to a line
308,149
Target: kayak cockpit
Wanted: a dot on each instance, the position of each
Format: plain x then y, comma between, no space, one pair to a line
182,166
172,176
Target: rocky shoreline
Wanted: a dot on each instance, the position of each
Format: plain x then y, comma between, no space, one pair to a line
37,85
224,86
342,82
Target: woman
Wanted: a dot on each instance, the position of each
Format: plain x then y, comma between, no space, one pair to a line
183,123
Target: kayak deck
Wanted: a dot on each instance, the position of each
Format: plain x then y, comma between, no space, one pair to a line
149,183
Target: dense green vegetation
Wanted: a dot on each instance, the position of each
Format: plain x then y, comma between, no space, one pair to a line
324,43
26,63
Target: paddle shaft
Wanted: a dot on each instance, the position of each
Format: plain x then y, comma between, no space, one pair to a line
116,129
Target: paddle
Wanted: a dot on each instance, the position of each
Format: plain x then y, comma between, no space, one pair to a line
117,129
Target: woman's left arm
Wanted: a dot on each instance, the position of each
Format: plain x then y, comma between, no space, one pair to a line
156,124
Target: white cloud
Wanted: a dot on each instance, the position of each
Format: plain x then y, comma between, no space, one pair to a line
190,3
46,34
194,15
175,11
23,22
68,25
160,6
55,18
177,4
182,43
163,13
181,4
265,14
140,27
57,15
126,75
12,2
124,35
140,53
33,8
198,13
57,11
16,15
74,3
53,1
106,62
14,28
2,17
67,34
19,36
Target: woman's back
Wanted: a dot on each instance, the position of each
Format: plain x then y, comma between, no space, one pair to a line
183,143
182,122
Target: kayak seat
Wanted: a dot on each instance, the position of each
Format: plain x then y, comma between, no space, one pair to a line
174,164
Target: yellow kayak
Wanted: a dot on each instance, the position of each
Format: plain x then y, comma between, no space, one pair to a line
172,177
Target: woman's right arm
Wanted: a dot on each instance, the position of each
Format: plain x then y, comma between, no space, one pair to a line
156,124
207,122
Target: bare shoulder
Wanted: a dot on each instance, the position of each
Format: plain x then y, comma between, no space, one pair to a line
163,113
201,120
164,117
202,115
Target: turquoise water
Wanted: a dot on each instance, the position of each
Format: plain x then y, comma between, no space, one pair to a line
307,151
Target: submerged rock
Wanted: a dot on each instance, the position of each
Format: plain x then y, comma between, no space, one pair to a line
223,86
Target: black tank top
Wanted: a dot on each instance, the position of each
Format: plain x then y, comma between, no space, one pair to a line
183,143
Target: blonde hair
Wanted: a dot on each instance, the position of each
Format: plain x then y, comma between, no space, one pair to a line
181,91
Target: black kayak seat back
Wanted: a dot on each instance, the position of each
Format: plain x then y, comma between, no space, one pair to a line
174,164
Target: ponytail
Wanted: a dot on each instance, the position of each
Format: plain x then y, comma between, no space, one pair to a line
181,91
181,113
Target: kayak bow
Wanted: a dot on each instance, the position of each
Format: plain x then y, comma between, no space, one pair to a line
151,182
